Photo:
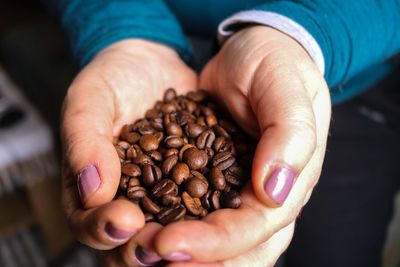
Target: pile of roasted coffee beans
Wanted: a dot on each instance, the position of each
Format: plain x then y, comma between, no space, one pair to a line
184,159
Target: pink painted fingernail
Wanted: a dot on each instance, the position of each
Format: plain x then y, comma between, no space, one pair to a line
279,184
145,258
117,234
88,181
178,256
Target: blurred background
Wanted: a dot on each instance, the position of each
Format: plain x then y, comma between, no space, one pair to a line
35,71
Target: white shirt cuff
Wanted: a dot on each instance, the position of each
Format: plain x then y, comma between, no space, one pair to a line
279,22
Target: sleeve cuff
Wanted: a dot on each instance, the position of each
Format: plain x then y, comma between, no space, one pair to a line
284,24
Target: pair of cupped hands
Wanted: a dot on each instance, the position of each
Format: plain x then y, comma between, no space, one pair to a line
273,90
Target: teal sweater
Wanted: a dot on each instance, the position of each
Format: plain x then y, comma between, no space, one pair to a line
356,37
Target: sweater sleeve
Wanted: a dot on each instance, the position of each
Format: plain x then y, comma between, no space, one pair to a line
91,25
352,35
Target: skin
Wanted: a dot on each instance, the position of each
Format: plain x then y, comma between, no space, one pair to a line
271,87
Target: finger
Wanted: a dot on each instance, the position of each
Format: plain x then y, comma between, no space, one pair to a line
87,128
107,226
266,254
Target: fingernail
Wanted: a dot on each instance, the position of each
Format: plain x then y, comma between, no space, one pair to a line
145,258
88,181
279,184
116,233
178,256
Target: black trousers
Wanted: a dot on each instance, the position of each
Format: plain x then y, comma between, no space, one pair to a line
345,222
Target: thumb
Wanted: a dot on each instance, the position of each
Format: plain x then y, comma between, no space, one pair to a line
87,130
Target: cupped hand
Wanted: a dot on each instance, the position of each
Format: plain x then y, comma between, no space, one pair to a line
115,88
273,89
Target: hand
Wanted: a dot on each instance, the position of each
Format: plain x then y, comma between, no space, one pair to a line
273,89
116,88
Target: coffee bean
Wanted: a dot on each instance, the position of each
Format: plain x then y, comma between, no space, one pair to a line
173,141
125,130
120,151
133,181
223,160
219,131
149,205
155,155
201,121
180,173
196,187
152,114
230,200
163,187
133,137
148,142
123,182
190,106
135,193
168,108
159,136
171,214
170,200
199,175
157,124
151,175
215,200
205,200
193,130
125,145
171,152
146,129
131,170
217,179
148,217
169,95
219,144
168,164
183,149
236,176
174,129
133,151
206,139
195,158
207,111
210,153
193,205
142,159
197,96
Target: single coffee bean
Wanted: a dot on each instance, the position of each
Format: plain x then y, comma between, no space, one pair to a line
215,200
148,217
193,205
148,142
211,120
169,95
174,129
155,155
210,153
219,144
171,152
142,159
206,111
159,136
196,187
125,145
173,141
199,175
236,176
180,173
120,151
170,200
163,187
193,130
135,193
133,137
131,170
205,200
206,139
230,200
148,205
133,181
168,164
123,182
146,129
151,175
133,151
217,179
168,108
190,106
183,149
203,213
219,131
196,96
201,121
171,214
195,158
152,114
157,124
125,130
223,160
